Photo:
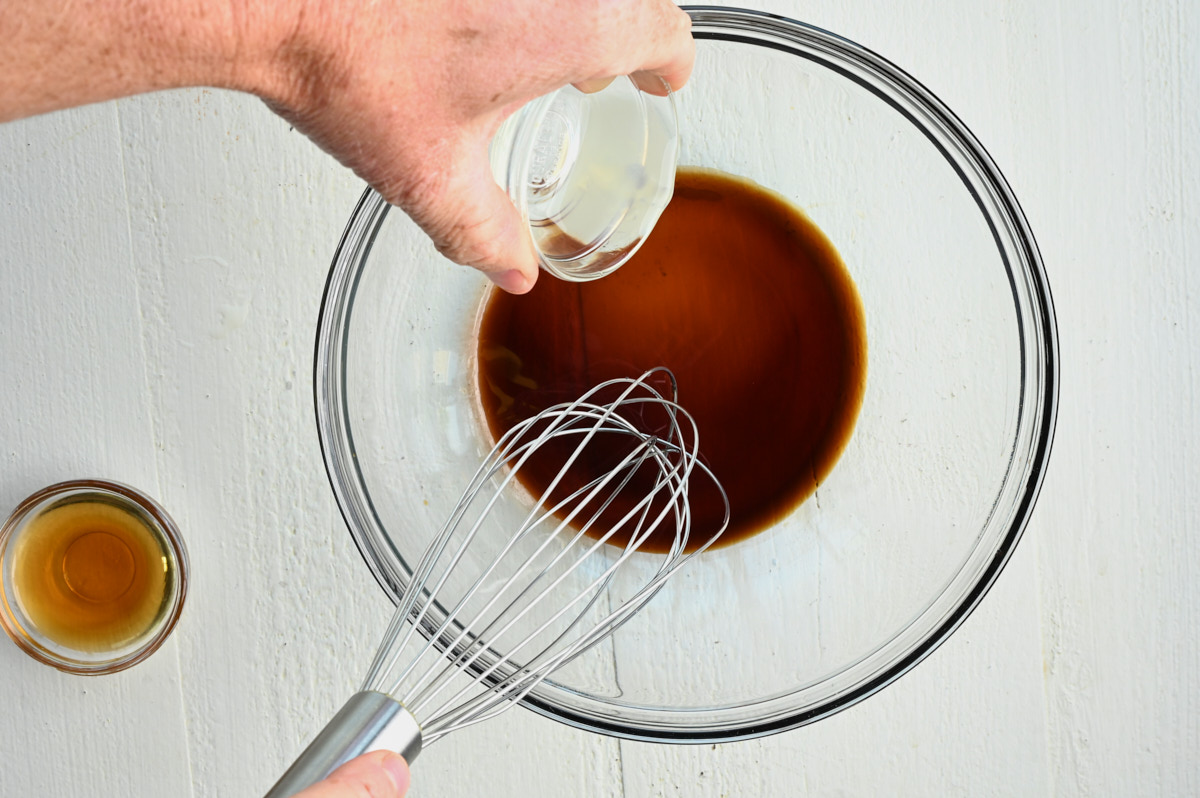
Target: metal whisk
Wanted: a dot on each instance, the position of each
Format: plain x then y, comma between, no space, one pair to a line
520,600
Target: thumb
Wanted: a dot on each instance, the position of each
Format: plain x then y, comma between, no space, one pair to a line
379,774
473,222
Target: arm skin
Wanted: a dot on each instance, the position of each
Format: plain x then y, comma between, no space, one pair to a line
407,93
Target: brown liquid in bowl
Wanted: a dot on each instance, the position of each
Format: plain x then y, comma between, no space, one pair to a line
747,302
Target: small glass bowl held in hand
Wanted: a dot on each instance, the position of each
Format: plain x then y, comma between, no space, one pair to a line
93,576
590,172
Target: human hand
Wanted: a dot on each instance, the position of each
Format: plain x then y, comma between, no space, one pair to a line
408,95
379,774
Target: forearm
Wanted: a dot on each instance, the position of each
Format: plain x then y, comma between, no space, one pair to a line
61,53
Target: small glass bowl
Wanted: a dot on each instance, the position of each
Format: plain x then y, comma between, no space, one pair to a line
74,557
590,172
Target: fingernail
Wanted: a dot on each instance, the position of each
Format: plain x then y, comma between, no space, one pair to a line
593,85
511,281
397,768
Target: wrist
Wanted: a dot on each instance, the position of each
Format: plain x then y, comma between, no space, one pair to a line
286,51
251,34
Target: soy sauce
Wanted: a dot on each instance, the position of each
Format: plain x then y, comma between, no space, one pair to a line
747,302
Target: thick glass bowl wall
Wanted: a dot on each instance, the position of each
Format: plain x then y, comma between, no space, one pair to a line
929,497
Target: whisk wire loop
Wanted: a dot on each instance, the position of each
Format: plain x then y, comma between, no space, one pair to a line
509,446
528,605
518,593
530,523
592,592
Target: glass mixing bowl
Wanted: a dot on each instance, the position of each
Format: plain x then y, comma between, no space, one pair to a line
931,494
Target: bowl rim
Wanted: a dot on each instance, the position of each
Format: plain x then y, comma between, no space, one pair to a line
1037,332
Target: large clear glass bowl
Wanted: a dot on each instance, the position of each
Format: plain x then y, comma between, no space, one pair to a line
933,490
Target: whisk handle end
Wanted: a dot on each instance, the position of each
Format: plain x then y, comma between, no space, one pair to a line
369,721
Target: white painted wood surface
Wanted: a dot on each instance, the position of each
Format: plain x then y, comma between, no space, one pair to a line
163,260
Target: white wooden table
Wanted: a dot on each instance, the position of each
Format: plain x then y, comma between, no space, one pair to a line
163,260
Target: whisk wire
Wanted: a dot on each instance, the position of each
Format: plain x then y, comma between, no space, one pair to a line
502,453
417,698
518,684
467,659
593,590
531,522
474,646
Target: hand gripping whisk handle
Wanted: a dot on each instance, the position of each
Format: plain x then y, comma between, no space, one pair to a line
369,721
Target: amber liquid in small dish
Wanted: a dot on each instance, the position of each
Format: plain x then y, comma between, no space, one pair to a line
92,575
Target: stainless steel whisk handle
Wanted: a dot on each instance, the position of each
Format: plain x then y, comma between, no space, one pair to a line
369,721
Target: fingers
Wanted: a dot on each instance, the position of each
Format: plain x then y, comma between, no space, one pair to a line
380,774
594,85
473,222
652,44
674,53
658,40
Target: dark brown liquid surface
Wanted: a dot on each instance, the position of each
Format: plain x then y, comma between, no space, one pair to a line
750,306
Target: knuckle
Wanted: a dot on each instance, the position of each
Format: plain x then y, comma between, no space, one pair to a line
471,243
